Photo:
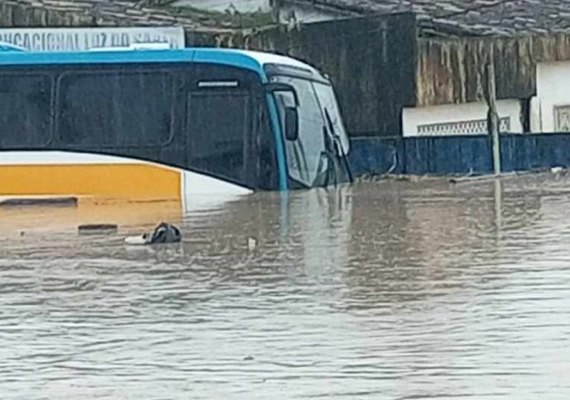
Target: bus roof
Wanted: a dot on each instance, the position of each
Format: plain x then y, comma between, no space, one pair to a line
252,60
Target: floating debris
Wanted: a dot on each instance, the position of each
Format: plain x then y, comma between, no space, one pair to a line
163,233
251,244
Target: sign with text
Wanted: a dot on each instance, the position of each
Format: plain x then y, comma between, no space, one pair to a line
78,39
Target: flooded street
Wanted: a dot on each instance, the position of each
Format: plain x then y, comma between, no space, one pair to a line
383,290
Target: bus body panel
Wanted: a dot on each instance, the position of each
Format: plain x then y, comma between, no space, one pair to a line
105,178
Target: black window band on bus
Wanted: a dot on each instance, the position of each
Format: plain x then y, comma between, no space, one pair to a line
108,108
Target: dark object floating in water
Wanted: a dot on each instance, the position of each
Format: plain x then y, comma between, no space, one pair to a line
97,228
163,233
39,201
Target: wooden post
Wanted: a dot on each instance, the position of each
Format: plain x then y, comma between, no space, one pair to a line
493,116
498,206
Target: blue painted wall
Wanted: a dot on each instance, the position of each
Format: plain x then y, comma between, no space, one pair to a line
457,155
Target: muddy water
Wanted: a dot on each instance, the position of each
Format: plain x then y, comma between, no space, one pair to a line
390,290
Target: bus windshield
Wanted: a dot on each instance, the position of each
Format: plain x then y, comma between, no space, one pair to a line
328,102
318,115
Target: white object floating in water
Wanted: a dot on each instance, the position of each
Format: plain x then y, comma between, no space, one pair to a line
556,170
251,244
139,239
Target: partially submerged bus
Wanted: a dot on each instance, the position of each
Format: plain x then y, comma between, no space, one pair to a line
166,124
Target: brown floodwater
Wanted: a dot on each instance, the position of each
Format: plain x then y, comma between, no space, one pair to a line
381,290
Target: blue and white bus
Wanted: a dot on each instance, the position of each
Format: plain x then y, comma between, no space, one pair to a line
165,124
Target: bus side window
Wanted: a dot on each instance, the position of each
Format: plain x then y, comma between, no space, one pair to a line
115,109
218,125
25,117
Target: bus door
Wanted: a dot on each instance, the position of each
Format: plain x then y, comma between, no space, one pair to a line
219,130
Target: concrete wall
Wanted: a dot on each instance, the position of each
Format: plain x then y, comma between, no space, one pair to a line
551,107
460,119
458,155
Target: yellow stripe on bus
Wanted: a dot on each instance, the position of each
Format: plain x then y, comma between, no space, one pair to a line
133,181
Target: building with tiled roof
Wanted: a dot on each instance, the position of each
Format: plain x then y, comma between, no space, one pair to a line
120,13
448,17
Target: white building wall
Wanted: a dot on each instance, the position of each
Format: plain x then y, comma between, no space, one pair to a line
243,6
288,12
306,14
460,119
550,110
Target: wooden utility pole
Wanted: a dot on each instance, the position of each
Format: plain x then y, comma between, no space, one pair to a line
492,115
